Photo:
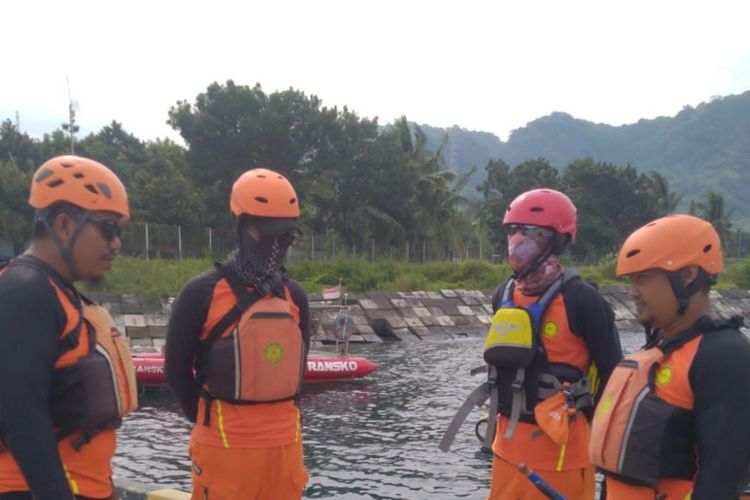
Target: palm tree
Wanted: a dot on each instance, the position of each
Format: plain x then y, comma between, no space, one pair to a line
436,196
712,209
666,201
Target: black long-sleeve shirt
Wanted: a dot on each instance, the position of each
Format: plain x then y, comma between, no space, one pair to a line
720,379
31,322
189,314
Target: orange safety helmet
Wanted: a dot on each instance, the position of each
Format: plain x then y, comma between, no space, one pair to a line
264,193
671,243
80,181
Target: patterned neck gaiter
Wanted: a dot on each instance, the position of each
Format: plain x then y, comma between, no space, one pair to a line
522,251
256,261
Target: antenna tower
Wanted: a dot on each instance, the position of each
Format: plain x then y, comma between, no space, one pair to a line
71,126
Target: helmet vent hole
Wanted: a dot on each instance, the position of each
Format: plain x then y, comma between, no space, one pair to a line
707,248
67,165
105,190
651,224
261,176
293,201
43,175
260,199
632,253
91,188
537,209
55,183
78,175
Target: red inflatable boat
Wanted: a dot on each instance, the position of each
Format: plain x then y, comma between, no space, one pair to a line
321,367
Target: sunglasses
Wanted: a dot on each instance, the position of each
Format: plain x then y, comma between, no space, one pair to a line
110,229
528,230
284,238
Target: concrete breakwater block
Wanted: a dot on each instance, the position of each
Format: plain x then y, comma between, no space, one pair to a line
389,316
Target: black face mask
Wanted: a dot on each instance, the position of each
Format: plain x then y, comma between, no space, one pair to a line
255,261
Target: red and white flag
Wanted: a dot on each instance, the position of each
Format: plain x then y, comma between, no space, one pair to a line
332,293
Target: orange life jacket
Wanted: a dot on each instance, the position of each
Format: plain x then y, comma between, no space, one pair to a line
259,359
94,384
95,391
640,435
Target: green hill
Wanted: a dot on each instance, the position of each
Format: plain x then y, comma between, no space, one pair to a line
700,149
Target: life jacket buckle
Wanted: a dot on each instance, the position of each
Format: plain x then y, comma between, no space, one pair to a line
517,385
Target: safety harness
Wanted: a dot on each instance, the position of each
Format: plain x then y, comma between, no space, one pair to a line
513,346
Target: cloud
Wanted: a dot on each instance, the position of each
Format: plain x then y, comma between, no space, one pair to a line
482,65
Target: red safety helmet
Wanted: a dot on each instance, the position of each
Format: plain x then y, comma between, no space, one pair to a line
544,207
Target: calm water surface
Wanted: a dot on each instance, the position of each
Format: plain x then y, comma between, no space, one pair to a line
373,438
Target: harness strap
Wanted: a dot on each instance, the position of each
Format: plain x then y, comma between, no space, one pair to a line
70,341
489,436
87,433
518,401
477,398
578,394
245,301
207,412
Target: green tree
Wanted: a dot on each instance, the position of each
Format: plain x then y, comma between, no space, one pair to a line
611,201
712,208
666,200
160,191
116,148
18,147
231,128
16,215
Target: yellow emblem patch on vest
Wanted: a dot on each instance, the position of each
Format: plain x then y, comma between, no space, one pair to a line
605,405
273,353
664,376
549,329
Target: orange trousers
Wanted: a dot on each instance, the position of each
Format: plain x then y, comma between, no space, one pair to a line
509,484
276,473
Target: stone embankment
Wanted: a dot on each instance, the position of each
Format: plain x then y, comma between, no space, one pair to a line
386,316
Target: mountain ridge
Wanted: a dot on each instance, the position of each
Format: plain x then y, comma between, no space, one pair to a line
701,148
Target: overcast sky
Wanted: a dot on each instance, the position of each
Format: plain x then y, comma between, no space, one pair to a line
489,65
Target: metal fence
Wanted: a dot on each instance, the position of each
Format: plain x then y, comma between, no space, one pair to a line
181,242
163,241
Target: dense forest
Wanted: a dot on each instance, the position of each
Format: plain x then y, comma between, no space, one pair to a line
363,183
703,148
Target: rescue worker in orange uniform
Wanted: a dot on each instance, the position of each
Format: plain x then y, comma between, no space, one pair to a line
552,331
237,343
674,420
66,377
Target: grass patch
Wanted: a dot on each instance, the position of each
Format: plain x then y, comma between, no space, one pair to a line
158,277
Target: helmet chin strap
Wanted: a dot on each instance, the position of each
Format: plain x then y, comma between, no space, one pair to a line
682,292
67,251
536,263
